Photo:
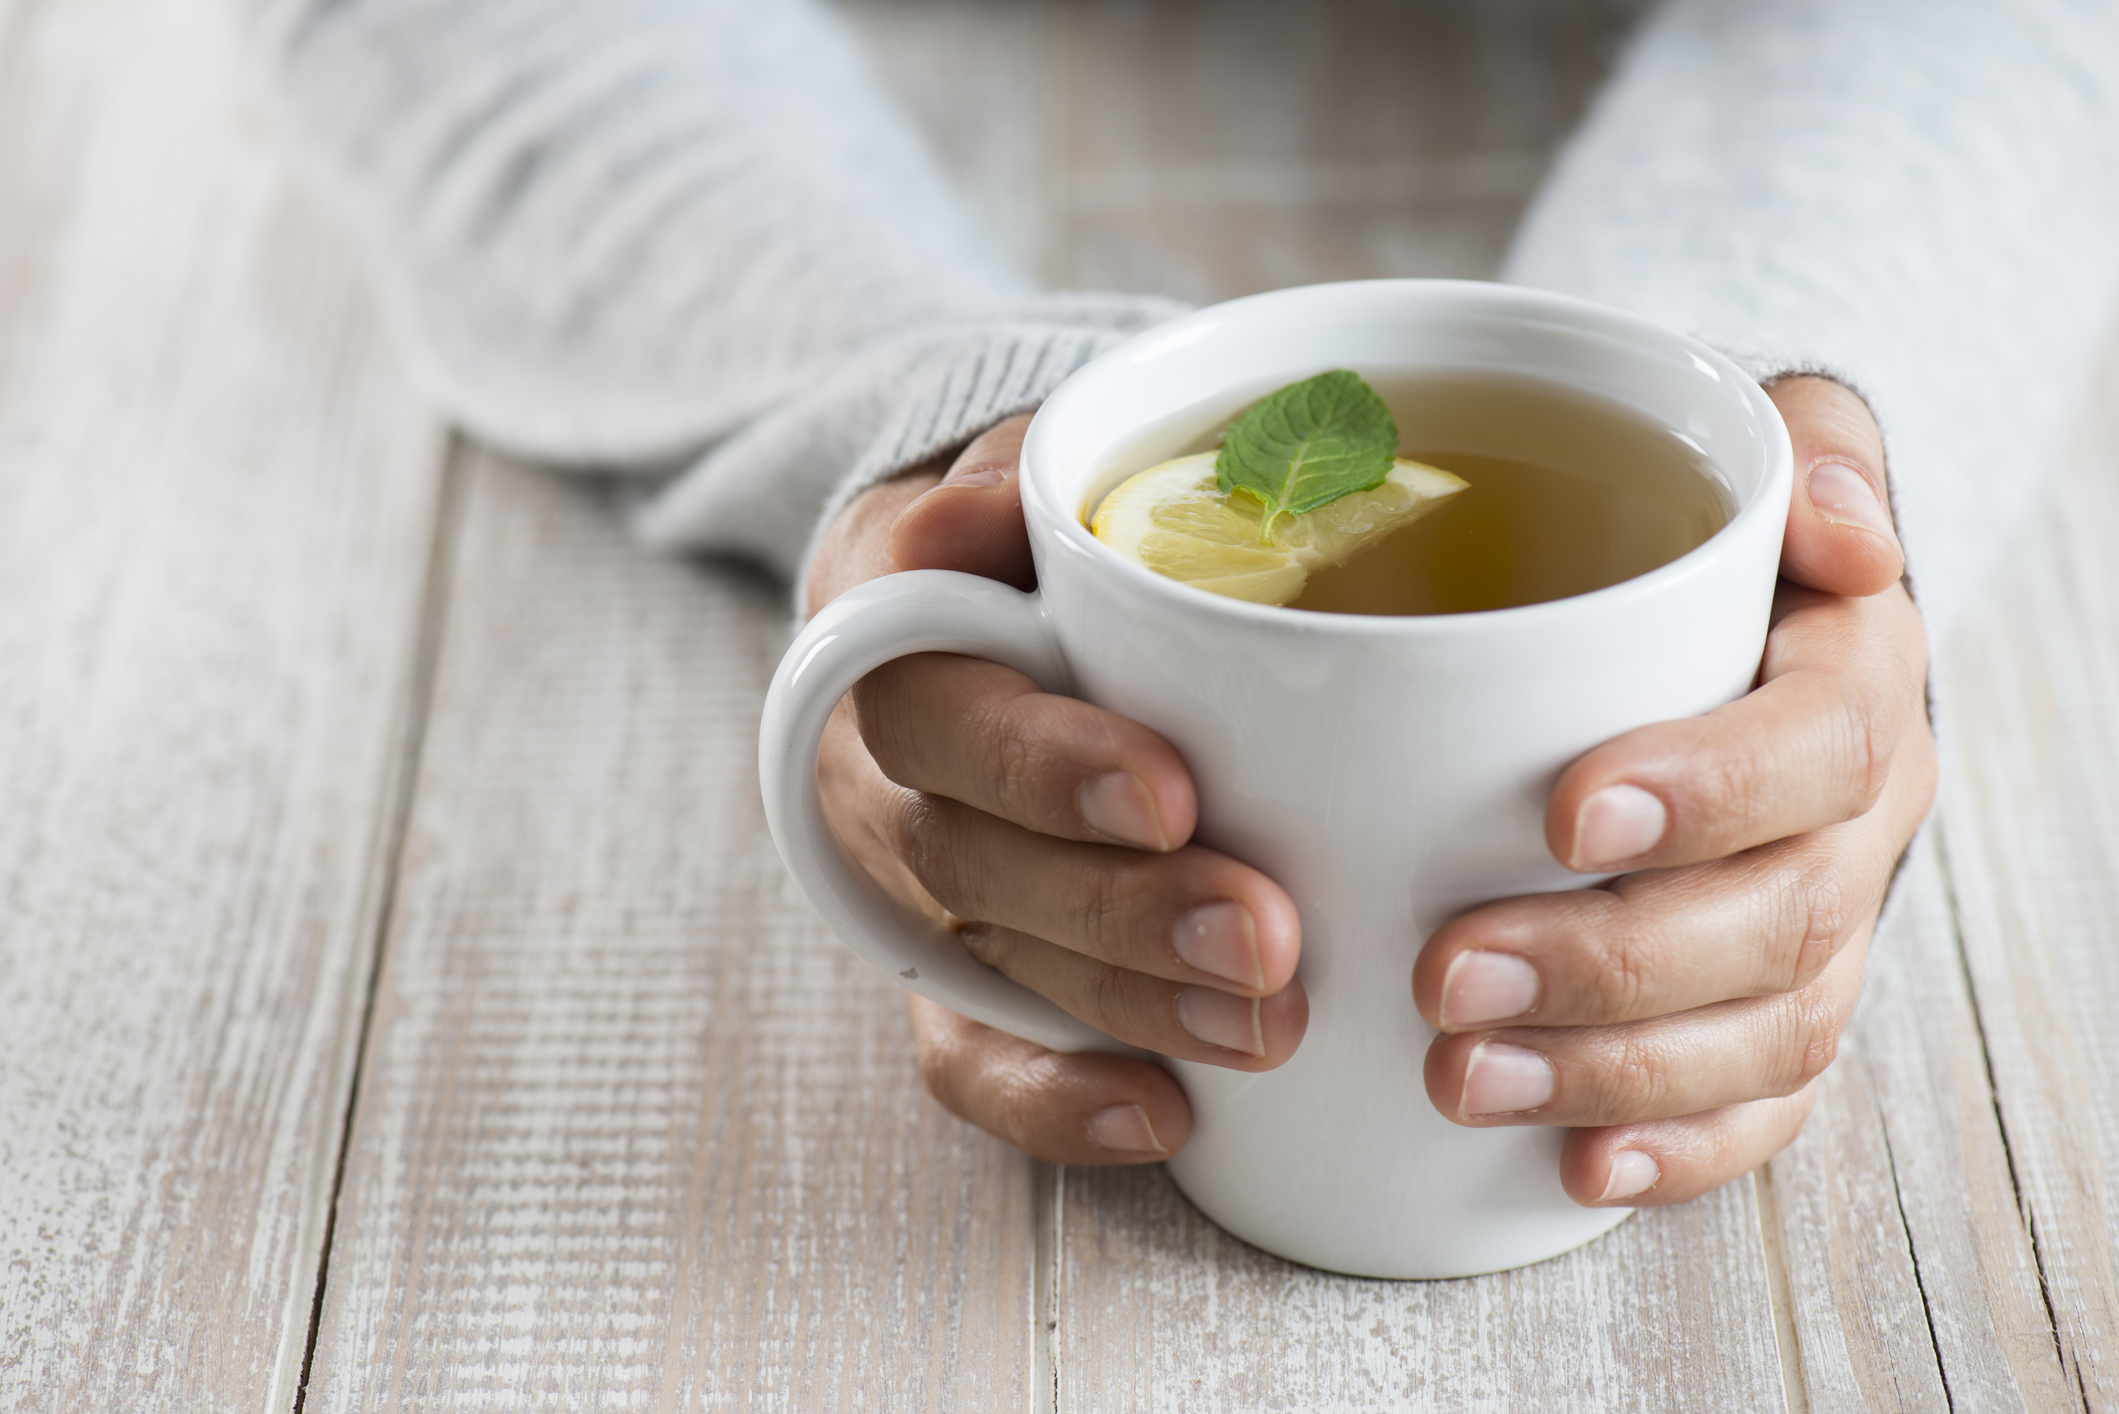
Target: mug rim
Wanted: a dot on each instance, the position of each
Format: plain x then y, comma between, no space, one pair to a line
1768,498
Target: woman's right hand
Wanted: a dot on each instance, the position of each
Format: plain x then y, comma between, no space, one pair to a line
1057,835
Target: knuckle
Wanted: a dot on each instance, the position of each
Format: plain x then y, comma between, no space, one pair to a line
1020,1101
939,1067
1825,918
874,700
1626,973
1809,1043
1637,1081
1870,733
912,830
924,837
1016,764
1106,999
1126,1005
1032,1109
1783,640
1719,1150
1098,905
985,944
1732,786
1817,1057
935,1075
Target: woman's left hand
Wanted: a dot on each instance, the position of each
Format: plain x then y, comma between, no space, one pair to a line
1678,1017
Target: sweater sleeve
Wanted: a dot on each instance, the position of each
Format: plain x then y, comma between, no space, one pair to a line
693,241
1919,197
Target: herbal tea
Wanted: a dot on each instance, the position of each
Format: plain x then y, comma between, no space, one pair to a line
1565,495
1527,493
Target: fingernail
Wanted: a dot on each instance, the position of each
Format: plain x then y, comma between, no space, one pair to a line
1124,1129
1221,1020
1844,496
1486,986
1631,1172
1220,938
1616,824
1119,807
1504,1080
987,475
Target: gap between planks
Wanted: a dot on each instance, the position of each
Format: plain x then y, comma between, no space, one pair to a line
1986,1058
2001,1124
387,850
213,566
1049,1214
1794,1391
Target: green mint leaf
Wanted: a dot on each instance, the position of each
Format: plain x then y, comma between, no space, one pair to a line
1307,445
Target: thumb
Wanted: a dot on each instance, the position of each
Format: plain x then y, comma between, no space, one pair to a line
973,520
1840,539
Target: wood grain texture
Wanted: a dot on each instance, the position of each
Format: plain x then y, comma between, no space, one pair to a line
633,1131
1214,149
1204,149
987,80
2031,834
1968,1128
216,495
1910,1269
1160,1309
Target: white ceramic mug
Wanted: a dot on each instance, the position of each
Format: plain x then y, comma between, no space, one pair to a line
1387,772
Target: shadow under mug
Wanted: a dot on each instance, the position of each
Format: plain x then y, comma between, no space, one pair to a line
1387,772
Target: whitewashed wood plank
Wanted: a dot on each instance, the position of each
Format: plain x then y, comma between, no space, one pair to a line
985,78
1907,1257
1215,149
1209,150
216,495
633,1132
1855,1334
1162,1310
2031,832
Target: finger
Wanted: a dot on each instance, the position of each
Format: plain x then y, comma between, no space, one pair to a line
1673,1160
1724,1054
855,545
1195,1023
991,738
973,520
1840,537
858,800
1764,921
1065,1109
1190,916
1842,683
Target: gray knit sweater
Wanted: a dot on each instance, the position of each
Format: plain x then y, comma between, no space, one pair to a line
696,242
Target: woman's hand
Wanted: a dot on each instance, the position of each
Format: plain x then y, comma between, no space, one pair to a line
1680,1016
1060,831
1683,1011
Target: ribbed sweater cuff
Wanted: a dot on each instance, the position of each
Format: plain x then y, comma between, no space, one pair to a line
768,492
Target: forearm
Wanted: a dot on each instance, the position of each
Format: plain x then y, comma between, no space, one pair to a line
1920,198
654,235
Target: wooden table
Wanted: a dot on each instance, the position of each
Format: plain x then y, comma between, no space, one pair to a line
401,1005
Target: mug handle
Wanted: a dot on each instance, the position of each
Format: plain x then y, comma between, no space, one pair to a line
917,611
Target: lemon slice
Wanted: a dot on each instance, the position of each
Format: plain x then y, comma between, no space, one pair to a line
1174,519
